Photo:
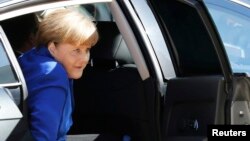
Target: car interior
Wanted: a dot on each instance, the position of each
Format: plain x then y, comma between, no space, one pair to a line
117,105
111,101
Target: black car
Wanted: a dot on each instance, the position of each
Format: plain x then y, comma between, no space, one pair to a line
162,70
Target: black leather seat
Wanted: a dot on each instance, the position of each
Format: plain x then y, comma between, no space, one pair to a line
109,95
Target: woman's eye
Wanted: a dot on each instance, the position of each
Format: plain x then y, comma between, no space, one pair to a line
78,50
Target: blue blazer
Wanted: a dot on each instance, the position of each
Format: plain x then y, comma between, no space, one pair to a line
50,99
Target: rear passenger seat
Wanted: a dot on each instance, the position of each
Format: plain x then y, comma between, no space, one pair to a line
108,96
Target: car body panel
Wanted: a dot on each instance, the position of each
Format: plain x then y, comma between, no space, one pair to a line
10,114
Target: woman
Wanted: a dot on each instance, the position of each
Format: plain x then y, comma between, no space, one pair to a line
63,42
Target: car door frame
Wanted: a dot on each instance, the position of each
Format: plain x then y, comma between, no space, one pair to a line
143,25
19,85
218,47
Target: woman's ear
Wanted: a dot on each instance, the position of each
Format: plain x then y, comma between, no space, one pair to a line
51,48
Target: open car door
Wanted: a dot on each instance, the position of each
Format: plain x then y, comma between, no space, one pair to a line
9,114
205,91
10,93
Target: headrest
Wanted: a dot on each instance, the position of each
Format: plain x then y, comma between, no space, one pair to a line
111,46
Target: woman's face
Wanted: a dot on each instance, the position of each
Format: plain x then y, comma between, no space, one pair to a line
73,58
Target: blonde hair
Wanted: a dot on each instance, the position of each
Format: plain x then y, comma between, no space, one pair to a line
67,26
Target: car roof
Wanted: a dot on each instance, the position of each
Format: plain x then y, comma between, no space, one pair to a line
13,8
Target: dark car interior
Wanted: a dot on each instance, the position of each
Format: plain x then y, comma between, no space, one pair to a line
111,99
112,102
110,96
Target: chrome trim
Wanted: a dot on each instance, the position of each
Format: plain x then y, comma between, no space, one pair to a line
148,45
44,6
241,3
16,84
15,64
155,37
129,39
10,2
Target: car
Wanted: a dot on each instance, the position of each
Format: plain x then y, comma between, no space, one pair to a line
162,70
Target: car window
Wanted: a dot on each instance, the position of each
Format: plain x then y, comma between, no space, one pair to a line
96,11
99,11
191,46
6,71
232,21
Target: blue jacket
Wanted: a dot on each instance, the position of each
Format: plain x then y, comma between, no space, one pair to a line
50,99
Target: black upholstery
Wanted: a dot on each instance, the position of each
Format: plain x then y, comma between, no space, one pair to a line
109,97
191,104
111,46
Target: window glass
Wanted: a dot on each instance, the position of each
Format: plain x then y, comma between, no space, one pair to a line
233,24
191,46
97,11
6,71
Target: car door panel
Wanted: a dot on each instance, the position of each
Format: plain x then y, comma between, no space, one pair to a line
13,87
16,94
240,100
10,114
191,104
198,96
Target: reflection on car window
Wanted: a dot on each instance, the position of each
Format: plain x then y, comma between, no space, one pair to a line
97,11
233,26
6,72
